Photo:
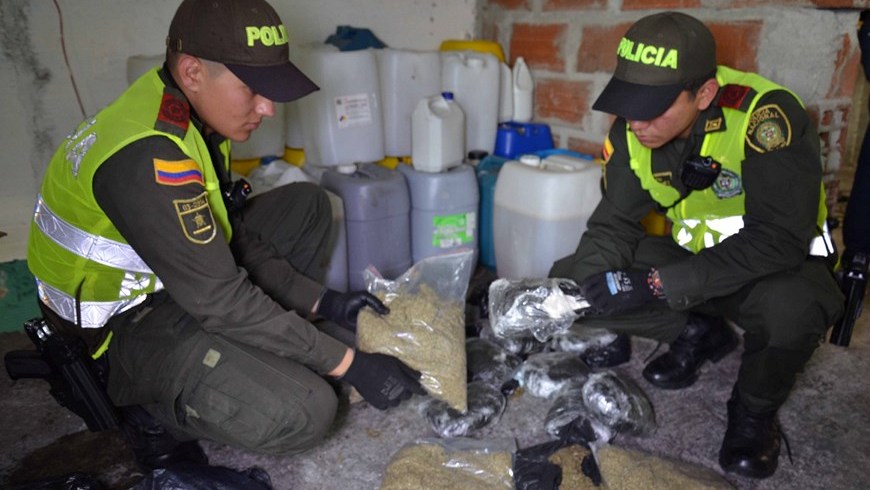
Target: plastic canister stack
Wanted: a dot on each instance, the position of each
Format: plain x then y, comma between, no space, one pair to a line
514,139
377,209
444,209
438,134
406,77
541,210
523,91
474,79
342,122
487,176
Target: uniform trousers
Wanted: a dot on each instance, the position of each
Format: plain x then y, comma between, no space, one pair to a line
246,397
783,316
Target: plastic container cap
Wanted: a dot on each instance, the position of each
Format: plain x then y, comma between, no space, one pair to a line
531,160
447,95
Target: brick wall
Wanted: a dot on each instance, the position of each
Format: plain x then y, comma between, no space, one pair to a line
570,45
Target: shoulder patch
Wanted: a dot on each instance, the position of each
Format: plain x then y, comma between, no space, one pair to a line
735,96
178,172
174,114
607,150
769,129
196,219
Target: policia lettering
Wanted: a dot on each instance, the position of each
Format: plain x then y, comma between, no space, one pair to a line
267,35
647,54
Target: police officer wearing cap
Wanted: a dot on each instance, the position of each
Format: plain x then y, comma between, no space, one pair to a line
733,161
209,311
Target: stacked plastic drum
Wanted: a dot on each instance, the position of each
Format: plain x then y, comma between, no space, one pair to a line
541,210
443,190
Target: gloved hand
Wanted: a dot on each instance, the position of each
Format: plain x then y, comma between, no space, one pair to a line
382,380
619,291
343,308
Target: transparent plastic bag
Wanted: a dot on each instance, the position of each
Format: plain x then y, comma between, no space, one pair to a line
569,418
489,362
485,406
452,464
618,403
521,346
581,340
545,373
541,307
425,328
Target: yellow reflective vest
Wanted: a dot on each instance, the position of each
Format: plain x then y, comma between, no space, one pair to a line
80,260
706,217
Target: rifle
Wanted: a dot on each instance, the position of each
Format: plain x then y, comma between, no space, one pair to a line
854,283
77,381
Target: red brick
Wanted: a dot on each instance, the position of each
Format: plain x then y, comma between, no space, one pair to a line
539,44
584,146
846,70
659,4
564,100
840,3
510,4
574,4
598,47
737,44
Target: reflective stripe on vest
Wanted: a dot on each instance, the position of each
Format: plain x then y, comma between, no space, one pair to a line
820,246
92,247
95,314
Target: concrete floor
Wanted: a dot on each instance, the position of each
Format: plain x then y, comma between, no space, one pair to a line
825,421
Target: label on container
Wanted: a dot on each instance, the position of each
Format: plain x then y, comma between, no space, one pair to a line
353,110
453,229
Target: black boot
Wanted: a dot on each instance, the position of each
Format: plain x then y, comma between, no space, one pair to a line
704,338
752,442
612,354
152,445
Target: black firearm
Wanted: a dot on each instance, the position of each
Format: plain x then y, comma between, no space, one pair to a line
76,381
854,284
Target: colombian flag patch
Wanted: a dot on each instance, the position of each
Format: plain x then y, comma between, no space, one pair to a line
607,150
179,172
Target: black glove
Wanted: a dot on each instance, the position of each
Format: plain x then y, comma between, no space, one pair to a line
382,380
618,291
343,308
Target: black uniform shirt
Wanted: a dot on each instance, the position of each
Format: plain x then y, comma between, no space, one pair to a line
780,179
254,297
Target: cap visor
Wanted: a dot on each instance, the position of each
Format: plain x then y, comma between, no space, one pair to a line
636,102
278,83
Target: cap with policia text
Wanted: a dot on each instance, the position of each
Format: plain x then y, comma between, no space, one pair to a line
658,55
245,35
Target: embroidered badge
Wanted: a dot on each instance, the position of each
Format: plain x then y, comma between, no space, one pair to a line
663,178
179,172
728,184
713,125
733,96
196,219
174,111
769,129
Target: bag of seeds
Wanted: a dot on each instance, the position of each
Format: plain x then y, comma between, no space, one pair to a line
452,464
425,328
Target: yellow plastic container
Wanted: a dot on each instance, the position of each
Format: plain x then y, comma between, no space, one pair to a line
480,45
244,167
294,156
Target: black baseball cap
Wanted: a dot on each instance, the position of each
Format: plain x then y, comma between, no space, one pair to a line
245,35
655,59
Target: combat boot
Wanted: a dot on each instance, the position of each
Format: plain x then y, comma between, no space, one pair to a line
704,338
153,446
752,442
